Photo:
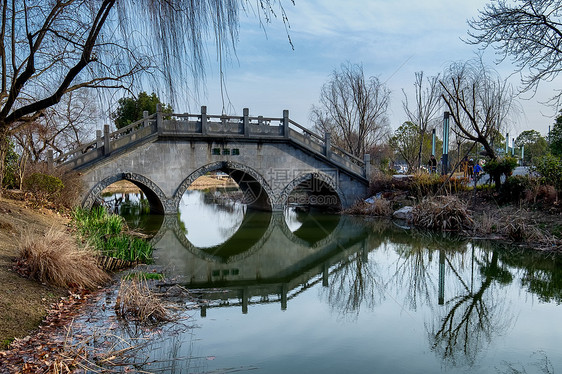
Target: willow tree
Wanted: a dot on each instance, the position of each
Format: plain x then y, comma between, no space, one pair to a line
51,48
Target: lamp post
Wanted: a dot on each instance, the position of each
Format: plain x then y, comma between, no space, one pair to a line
458,151
433,142
445,157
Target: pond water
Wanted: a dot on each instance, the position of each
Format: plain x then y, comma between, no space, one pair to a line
314,293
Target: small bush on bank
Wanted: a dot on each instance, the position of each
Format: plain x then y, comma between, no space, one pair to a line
379,208
549,168
43,186
447,213
56,259
515,188
500,167
384,182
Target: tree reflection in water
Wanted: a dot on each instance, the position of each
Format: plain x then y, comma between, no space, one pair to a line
475,314
353,283
414,266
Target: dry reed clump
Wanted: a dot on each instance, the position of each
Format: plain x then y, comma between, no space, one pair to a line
137,302
379,207
442,213
517,228
55,258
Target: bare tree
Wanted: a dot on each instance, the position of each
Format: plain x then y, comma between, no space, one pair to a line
480,103
529,32
353,109
426,106
62,127
51,48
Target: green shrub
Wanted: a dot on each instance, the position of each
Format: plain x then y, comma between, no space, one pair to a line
549,168
514,188
498,167
43,186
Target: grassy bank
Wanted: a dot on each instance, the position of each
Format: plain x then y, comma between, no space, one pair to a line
23,302
54,253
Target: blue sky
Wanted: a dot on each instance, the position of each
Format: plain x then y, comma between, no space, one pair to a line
391,39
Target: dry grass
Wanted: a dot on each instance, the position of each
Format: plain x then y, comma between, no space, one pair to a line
54,258
380,207
442,213
137,302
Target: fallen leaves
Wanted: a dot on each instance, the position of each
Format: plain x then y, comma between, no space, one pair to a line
40,352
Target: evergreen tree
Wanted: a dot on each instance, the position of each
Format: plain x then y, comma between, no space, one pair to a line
130,109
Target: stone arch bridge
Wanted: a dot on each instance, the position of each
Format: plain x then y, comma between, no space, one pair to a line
269,158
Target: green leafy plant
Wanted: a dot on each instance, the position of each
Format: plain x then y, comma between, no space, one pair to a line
515,187
549,168
106,233
499,167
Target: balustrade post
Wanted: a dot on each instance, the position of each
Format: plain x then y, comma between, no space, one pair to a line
159,118
145,118
106,145
99,142
367,160
203,120
327,144
50,162
246,122
286,123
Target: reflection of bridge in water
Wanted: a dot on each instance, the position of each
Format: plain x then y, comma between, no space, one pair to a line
264,262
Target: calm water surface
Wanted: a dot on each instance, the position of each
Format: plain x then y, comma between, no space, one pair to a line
309,293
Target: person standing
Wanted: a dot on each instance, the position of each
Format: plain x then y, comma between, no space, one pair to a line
432,164
464,166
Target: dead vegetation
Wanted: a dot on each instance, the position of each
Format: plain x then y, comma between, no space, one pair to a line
379,207
54,258
137,302
447,213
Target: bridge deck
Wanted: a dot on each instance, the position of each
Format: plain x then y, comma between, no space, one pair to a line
204,126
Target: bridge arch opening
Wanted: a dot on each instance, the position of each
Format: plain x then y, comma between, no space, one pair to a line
255,191
313,190
149,193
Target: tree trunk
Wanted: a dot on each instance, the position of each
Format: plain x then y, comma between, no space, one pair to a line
4,145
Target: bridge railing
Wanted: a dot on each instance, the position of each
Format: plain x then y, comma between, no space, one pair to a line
220,126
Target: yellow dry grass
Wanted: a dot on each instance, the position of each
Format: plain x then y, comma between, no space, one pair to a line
55,258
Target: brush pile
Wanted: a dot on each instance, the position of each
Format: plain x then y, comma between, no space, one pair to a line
378,207
446,213
135,301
